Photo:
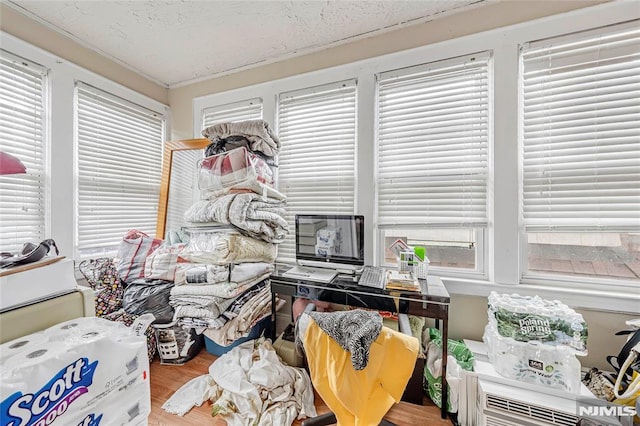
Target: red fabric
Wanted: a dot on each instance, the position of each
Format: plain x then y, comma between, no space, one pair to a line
132,254
234,166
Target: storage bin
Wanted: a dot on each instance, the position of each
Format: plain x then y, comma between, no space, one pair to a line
263,327
177,345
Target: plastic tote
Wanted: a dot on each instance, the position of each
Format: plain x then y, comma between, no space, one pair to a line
263,327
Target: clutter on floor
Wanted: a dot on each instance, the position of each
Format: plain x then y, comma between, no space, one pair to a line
249,384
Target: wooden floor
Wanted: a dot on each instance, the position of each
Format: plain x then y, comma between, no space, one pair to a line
166,379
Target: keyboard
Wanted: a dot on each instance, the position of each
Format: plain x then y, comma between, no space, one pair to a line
373,276
312,274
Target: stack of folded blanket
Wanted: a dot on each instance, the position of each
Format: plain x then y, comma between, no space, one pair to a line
221,277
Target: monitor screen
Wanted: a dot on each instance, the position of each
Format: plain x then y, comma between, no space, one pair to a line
335,241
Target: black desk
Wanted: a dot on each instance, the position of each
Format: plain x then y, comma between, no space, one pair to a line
431,302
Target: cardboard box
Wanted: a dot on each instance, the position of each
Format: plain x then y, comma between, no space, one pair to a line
286,349
37,283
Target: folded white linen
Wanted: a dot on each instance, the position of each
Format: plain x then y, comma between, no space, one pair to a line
243,272
226,289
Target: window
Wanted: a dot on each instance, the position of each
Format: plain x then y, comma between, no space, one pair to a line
439,156
119,165
238,111
22,134
581,162
432,174
317,131
183,187
183,191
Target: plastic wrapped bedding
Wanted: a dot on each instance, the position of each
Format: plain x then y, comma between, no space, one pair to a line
207,305
162,263
221,247
238,168
226,290
260,217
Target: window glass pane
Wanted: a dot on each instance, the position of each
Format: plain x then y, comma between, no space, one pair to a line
119,167
586,254
183,187
446,248
580,140
238,111
433,151
433,127
22,135
317,130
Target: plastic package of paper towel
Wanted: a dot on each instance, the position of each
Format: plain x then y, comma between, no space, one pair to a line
533,362
83,371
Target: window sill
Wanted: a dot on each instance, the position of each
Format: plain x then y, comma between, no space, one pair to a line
602,300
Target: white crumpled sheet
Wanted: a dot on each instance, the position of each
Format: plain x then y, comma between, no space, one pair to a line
249,386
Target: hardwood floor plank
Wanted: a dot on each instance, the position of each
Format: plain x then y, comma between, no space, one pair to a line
166,379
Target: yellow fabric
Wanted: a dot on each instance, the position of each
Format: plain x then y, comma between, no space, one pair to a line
630,401
360,398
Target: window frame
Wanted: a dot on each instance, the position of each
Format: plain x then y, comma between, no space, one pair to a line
226,110
283,105
503,237
60,172
93,97
535,50
480,270
44,204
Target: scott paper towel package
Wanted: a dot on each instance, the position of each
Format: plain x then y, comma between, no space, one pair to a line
86,371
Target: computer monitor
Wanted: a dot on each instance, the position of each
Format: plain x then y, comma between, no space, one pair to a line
330,241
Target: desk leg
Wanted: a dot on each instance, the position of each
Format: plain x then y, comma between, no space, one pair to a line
273,316
445,339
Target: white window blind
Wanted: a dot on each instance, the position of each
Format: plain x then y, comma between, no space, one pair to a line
183,187
183,190
250,109
119,167
433,133
581,131
22,134
317,131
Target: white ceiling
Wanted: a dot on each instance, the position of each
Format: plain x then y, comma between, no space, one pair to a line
174,42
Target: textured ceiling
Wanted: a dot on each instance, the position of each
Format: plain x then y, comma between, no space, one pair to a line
174,42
